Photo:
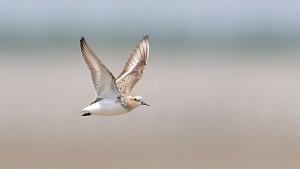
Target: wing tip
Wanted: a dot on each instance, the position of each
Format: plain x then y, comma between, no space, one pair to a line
146,37
145,40
82,41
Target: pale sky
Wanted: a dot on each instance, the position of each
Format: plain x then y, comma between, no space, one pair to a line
189,15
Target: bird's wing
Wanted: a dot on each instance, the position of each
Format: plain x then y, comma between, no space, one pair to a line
134,67
103,80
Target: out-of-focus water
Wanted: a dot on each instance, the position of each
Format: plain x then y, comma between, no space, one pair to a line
217,111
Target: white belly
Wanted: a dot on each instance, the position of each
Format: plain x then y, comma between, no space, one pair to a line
105,107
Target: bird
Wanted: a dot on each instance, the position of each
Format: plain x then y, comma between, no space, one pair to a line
114,96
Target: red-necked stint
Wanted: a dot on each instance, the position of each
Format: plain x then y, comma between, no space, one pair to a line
114,95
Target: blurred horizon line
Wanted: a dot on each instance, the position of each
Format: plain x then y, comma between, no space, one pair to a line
241,39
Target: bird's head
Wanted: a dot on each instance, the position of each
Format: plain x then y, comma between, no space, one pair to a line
139,101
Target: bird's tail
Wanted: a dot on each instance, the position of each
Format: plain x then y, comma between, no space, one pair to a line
84,113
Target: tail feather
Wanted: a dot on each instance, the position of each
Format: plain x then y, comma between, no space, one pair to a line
84,113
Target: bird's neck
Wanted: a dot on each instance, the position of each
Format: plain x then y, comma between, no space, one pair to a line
128,103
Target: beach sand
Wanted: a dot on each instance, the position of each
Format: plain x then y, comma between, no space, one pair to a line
211,113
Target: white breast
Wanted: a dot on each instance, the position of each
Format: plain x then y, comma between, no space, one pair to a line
105,107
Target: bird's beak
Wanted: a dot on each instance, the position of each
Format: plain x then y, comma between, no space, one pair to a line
143,103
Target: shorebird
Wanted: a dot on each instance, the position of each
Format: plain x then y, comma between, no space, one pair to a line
114,95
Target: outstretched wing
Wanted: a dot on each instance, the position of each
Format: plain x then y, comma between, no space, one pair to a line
134,67
103,80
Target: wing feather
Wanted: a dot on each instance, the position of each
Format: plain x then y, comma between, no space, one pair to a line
103,80
134,67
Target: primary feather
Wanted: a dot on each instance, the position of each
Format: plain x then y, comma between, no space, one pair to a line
134,67
103,80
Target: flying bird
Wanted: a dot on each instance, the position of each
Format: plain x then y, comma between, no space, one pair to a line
114,96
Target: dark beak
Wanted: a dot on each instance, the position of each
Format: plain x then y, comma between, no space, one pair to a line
143,103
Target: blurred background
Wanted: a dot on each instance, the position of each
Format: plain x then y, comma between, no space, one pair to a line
222,81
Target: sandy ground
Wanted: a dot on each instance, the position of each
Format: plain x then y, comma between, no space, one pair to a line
204,113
